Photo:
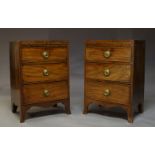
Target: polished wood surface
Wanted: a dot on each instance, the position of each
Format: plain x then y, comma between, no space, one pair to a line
35,54
35,73
35,92
96,54
42,43
124,80
119,93
117,72
110,43
37,79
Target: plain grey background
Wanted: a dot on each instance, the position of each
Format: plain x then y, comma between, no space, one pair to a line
76,37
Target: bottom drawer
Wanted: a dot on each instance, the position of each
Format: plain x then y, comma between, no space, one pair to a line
108,92
46,92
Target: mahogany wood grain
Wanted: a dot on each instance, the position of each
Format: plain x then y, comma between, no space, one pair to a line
35,54
34,73
121,73
35,92
42,43
96,54
110,43
119,93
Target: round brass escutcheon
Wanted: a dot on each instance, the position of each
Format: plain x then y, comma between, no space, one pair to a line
107,92
106,72
107,54
45,72
45,54
46,93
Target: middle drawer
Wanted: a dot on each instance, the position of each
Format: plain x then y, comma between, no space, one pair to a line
44,73
111,72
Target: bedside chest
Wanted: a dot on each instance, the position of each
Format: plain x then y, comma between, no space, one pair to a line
114,74
39,72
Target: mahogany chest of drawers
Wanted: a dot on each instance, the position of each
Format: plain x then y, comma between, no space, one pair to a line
114,75
39,75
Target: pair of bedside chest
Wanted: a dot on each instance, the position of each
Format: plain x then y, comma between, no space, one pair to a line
114,75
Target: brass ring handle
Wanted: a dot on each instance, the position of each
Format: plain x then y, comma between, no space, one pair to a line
46,93
107,54
45,54
45,72
107,92
106,72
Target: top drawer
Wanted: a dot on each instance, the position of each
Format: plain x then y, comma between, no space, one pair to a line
50,54
101,54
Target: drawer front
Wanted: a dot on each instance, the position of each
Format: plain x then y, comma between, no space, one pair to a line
43,73
111,72
107,92
36,93
108,54
38,54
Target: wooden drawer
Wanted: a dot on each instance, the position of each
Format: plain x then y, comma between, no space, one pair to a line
101,54
111,72
108,92
44,73
39,54
36,93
